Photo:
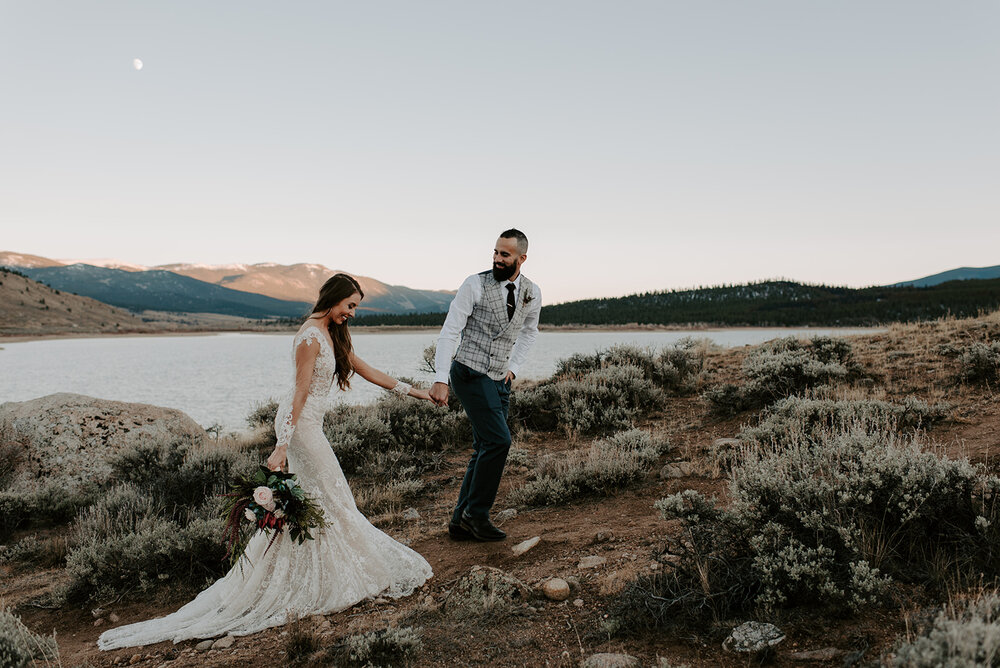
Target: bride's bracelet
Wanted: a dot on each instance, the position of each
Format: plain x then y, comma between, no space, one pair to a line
401,388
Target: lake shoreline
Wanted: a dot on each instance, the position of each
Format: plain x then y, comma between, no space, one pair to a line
694,328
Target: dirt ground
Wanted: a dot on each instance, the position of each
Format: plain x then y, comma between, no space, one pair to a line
625,528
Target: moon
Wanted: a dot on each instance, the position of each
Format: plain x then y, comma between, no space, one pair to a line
137,64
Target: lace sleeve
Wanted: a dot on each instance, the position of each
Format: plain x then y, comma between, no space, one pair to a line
284,430
308,335
401,388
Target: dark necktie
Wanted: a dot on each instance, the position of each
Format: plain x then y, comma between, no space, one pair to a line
510,301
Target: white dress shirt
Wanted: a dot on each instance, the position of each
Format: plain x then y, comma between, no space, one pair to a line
470,294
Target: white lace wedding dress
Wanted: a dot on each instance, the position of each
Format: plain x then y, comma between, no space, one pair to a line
350,560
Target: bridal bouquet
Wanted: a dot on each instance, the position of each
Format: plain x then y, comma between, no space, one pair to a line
268,501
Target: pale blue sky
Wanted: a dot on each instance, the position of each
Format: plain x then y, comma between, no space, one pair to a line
640,145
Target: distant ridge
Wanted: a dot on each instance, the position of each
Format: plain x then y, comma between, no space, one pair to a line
296,283
960,274
161,291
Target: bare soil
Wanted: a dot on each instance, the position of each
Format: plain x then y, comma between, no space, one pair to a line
625,528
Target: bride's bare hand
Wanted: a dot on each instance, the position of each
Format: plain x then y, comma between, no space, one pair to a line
420,394
278,458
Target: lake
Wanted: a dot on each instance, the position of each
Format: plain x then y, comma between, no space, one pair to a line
219,378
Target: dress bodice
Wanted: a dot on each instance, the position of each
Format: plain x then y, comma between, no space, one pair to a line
326,363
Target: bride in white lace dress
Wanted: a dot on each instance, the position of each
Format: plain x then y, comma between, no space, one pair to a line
350,560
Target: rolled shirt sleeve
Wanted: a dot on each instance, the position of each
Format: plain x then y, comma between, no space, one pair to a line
458,315
529,332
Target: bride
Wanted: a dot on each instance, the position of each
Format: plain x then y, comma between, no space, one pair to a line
349,560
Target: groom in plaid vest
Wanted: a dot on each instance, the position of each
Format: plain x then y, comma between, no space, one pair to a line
496,315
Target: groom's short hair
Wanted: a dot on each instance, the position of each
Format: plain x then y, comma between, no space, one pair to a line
522,241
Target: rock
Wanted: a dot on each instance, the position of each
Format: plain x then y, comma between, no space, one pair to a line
483,588
204,645
98,622
604,536
609,661
555,589
73,438
505,515
819,655
521,548
753,637
97,612
113,618
136,658
411,514
592,562
573,582
677,470
225,642
578,602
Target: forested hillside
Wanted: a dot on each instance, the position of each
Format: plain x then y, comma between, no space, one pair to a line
764,304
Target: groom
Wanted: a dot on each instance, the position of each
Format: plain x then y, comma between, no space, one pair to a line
496,314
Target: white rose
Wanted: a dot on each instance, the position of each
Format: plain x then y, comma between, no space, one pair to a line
279,513
249,515
263,496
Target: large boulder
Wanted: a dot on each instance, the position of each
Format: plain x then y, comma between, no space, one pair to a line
483,589
73,437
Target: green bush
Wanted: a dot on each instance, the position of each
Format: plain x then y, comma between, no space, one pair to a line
601,469
797,417
124,542
20,647
962,636
387,648
782,368
179,475
42,503
979,362
263,415
832,519
676,369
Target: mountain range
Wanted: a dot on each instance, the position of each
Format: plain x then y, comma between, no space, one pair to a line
960,274
249,290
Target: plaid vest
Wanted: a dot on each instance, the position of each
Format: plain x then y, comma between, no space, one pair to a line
488,337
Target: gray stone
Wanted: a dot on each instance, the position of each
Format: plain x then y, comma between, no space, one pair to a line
753,637
204,645
819,655
609,661
677,470
604,536
505,515
73,438
555,589
592,562
521,548
411,514
483,588
113,618
225,642
578,602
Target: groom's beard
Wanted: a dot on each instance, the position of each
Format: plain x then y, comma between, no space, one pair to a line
502,273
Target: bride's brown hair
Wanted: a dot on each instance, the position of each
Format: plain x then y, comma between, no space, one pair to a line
336,289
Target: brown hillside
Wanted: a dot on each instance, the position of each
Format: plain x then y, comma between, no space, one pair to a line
28,307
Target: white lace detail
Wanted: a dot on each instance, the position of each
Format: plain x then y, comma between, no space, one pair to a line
349,561
401,388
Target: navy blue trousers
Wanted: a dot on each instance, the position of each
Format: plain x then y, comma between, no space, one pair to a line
486,402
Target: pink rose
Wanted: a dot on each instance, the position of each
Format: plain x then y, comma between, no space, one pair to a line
264,497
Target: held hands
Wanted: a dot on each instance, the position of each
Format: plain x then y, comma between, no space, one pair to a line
278,459
420,394
439,394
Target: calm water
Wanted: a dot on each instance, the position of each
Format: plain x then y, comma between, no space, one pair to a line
218,378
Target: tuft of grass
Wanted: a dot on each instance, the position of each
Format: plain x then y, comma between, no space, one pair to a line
303,641
392,647
22,648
